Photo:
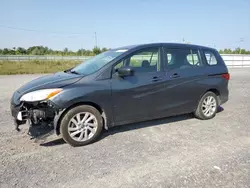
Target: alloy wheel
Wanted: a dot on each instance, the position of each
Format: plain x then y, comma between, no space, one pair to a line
82,126
209,106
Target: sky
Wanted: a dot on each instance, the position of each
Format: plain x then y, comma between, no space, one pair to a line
73,23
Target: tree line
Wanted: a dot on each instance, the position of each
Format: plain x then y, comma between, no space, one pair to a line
41,50
235,51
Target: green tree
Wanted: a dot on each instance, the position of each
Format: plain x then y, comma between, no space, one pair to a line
81,52
46,50
35,51
50,51
12,51
237,51
221,51
227,51
30,49
96,50
243,51
20,51
65,51
89,53
104,49
6,51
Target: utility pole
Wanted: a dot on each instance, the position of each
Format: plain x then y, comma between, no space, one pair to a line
95,40
183,40
241,40
81,50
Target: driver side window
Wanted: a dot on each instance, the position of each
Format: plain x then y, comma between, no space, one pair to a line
146,60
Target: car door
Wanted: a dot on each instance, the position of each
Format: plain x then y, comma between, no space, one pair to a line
184,71
138,97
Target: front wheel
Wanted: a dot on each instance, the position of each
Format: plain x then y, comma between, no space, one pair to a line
207,106
81,125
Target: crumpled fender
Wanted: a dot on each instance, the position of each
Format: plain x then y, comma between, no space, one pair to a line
57,119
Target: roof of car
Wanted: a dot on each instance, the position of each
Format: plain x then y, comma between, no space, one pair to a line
173,45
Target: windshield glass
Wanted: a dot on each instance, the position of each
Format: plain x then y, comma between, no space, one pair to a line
97,62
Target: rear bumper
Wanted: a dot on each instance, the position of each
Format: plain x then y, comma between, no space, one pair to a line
223,99
224,96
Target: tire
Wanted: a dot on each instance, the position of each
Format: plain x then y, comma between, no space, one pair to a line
200,111
92,126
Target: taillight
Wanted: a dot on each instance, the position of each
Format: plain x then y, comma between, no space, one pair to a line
226,76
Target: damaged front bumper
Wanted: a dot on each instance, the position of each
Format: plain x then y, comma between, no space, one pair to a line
42,117
17,115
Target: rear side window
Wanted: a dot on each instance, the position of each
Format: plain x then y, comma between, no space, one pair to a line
169,57
193,58
182,58
210,57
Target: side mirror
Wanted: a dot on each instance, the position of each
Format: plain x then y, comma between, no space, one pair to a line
125,71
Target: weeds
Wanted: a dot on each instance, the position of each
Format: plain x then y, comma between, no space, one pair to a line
35,66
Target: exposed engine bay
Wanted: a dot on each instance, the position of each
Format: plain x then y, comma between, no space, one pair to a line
40,116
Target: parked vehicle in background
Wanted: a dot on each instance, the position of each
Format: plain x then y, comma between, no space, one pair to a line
125,85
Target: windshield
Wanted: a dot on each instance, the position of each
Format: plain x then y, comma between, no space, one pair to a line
97,62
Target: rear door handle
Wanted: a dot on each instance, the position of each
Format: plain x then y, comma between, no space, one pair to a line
156,78
175,75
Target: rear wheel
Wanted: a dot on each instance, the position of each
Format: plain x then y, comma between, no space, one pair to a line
81,125
207,106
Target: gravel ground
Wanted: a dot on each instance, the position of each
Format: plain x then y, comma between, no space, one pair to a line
173,152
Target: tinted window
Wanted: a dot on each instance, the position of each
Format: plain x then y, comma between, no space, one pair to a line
210,57
146,60
182,58
169,57
193,58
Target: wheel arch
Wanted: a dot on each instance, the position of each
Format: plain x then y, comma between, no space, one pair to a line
214,90
60,115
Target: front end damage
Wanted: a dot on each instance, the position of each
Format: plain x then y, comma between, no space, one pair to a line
34,102
41,117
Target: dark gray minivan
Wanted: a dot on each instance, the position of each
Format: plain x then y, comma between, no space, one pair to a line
124,85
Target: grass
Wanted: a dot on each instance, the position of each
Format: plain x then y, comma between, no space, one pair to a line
35,66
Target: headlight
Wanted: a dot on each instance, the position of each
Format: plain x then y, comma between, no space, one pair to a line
40,95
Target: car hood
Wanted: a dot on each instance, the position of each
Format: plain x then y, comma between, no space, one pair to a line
57,80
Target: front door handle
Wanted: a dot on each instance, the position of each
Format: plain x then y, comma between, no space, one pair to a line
156,78
175,75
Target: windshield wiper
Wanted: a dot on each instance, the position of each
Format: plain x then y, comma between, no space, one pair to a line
72,71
